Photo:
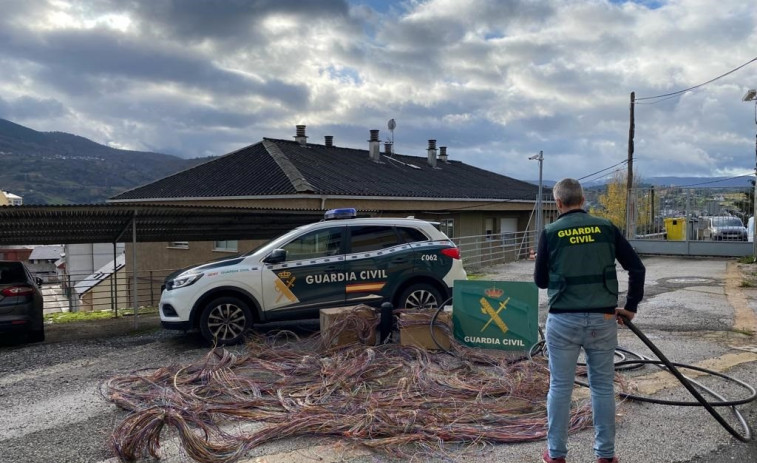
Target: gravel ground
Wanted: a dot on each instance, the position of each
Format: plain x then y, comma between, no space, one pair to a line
52,410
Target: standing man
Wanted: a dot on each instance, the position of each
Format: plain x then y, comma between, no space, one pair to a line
576,264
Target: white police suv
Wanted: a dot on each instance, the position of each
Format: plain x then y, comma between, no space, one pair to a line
341,260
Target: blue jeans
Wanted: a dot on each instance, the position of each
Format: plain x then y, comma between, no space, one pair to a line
566,334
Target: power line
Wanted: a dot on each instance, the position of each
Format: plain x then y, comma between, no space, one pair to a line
609,175
607,168
700,85
658,101
716,181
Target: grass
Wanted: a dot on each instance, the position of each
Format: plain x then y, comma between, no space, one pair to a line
476,276
747,260
71,317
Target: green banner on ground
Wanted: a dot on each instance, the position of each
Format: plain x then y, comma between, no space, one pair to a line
496,314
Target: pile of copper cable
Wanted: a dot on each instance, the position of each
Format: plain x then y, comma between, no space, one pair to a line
398,400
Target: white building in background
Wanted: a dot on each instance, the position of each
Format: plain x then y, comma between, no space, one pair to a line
96,291
80,261
42,262
9,199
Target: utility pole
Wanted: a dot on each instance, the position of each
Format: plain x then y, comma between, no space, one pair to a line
630,225
751,95
539,205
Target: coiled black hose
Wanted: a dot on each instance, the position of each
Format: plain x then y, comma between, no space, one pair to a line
688,383
665,364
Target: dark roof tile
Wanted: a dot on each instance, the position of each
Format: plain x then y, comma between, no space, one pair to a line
276,167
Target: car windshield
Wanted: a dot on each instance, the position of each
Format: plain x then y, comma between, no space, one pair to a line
276,242
727,222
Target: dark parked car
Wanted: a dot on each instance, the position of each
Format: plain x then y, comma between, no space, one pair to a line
20,302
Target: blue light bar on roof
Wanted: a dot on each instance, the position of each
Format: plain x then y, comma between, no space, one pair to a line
343,213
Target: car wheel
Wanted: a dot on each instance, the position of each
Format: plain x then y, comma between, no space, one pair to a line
35,335
420,296
225,321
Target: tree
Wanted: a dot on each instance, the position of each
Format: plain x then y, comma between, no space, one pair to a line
612,204
749,202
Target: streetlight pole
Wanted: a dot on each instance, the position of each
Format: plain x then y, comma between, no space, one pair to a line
751,95
539,208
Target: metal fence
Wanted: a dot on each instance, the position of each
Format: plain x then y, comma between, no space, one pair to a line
103,291
106,291
482,251
679,214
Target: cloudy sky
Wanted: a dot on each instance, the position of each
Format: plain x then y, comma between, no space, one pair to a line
495,81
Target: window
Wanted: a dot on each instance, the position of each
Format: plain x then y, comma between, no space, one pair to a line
411,235
318,243
447,226
508,227
226,245
489,228
371,238
178,244
12,272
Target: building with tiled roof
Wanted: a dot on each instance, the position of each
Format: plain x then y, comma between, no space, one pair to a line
295,174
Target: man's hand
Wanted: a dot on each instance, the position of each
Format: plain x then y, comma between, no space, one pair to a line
621,312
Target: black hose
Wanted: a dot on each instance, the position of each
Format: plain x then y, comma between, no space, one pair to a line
664,363
433,322
671,367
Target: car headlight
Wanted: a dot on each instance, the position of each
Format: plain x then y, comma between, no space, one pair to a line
185,279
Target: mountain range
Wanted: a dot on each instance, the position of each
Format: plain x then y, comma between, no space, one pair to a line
693,182
60,168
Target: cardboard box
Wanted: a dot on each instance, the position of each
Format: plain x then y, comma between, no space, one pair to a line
338,319
415,330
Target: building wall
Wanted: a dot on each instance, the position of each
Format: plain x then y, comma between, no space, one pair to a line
83,259
162,259
99,296
15,253
156,260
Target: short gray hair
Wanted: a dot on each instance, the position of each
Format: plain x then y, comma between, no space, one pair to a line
569,191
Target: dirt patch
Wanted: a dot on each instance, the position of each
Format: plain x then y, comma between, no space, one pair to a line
92,329
739,295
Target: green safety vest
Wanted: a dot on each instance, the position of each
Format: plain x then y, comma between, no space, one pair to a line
581,263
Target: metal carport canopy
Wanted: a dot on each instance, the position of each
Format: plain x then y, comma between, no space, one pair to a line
109,223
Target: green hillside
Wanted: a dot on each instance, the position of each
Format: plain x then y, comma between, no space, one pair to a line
60,168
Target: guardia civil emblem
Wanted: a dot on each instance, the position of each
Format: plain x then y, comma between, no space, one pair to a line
284,283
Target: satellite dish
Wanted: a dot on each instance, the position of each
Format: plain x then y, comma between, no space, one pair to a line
391,125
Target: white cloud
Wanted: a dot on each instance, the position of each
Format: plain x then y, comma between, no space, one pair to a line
493,81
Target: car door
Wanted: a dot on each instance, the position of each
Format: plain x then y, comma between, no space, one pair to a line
311,276
377,260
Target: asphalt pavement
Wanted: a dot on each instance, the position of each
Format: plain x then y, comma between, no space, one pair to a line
697,311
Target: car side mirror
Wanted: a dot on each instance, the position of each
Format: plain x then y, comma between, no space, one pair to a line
276,256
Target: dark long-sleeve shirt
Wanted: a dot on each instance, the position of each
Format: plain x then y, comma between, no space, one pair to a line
624,254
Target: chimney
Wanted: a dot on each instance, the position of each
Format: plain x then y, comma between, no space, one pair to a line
432,153
374,146
329,140
301,138
387,148
443,154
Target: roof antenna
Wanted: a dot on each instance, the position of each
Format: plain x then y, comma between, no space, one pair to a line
391,125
